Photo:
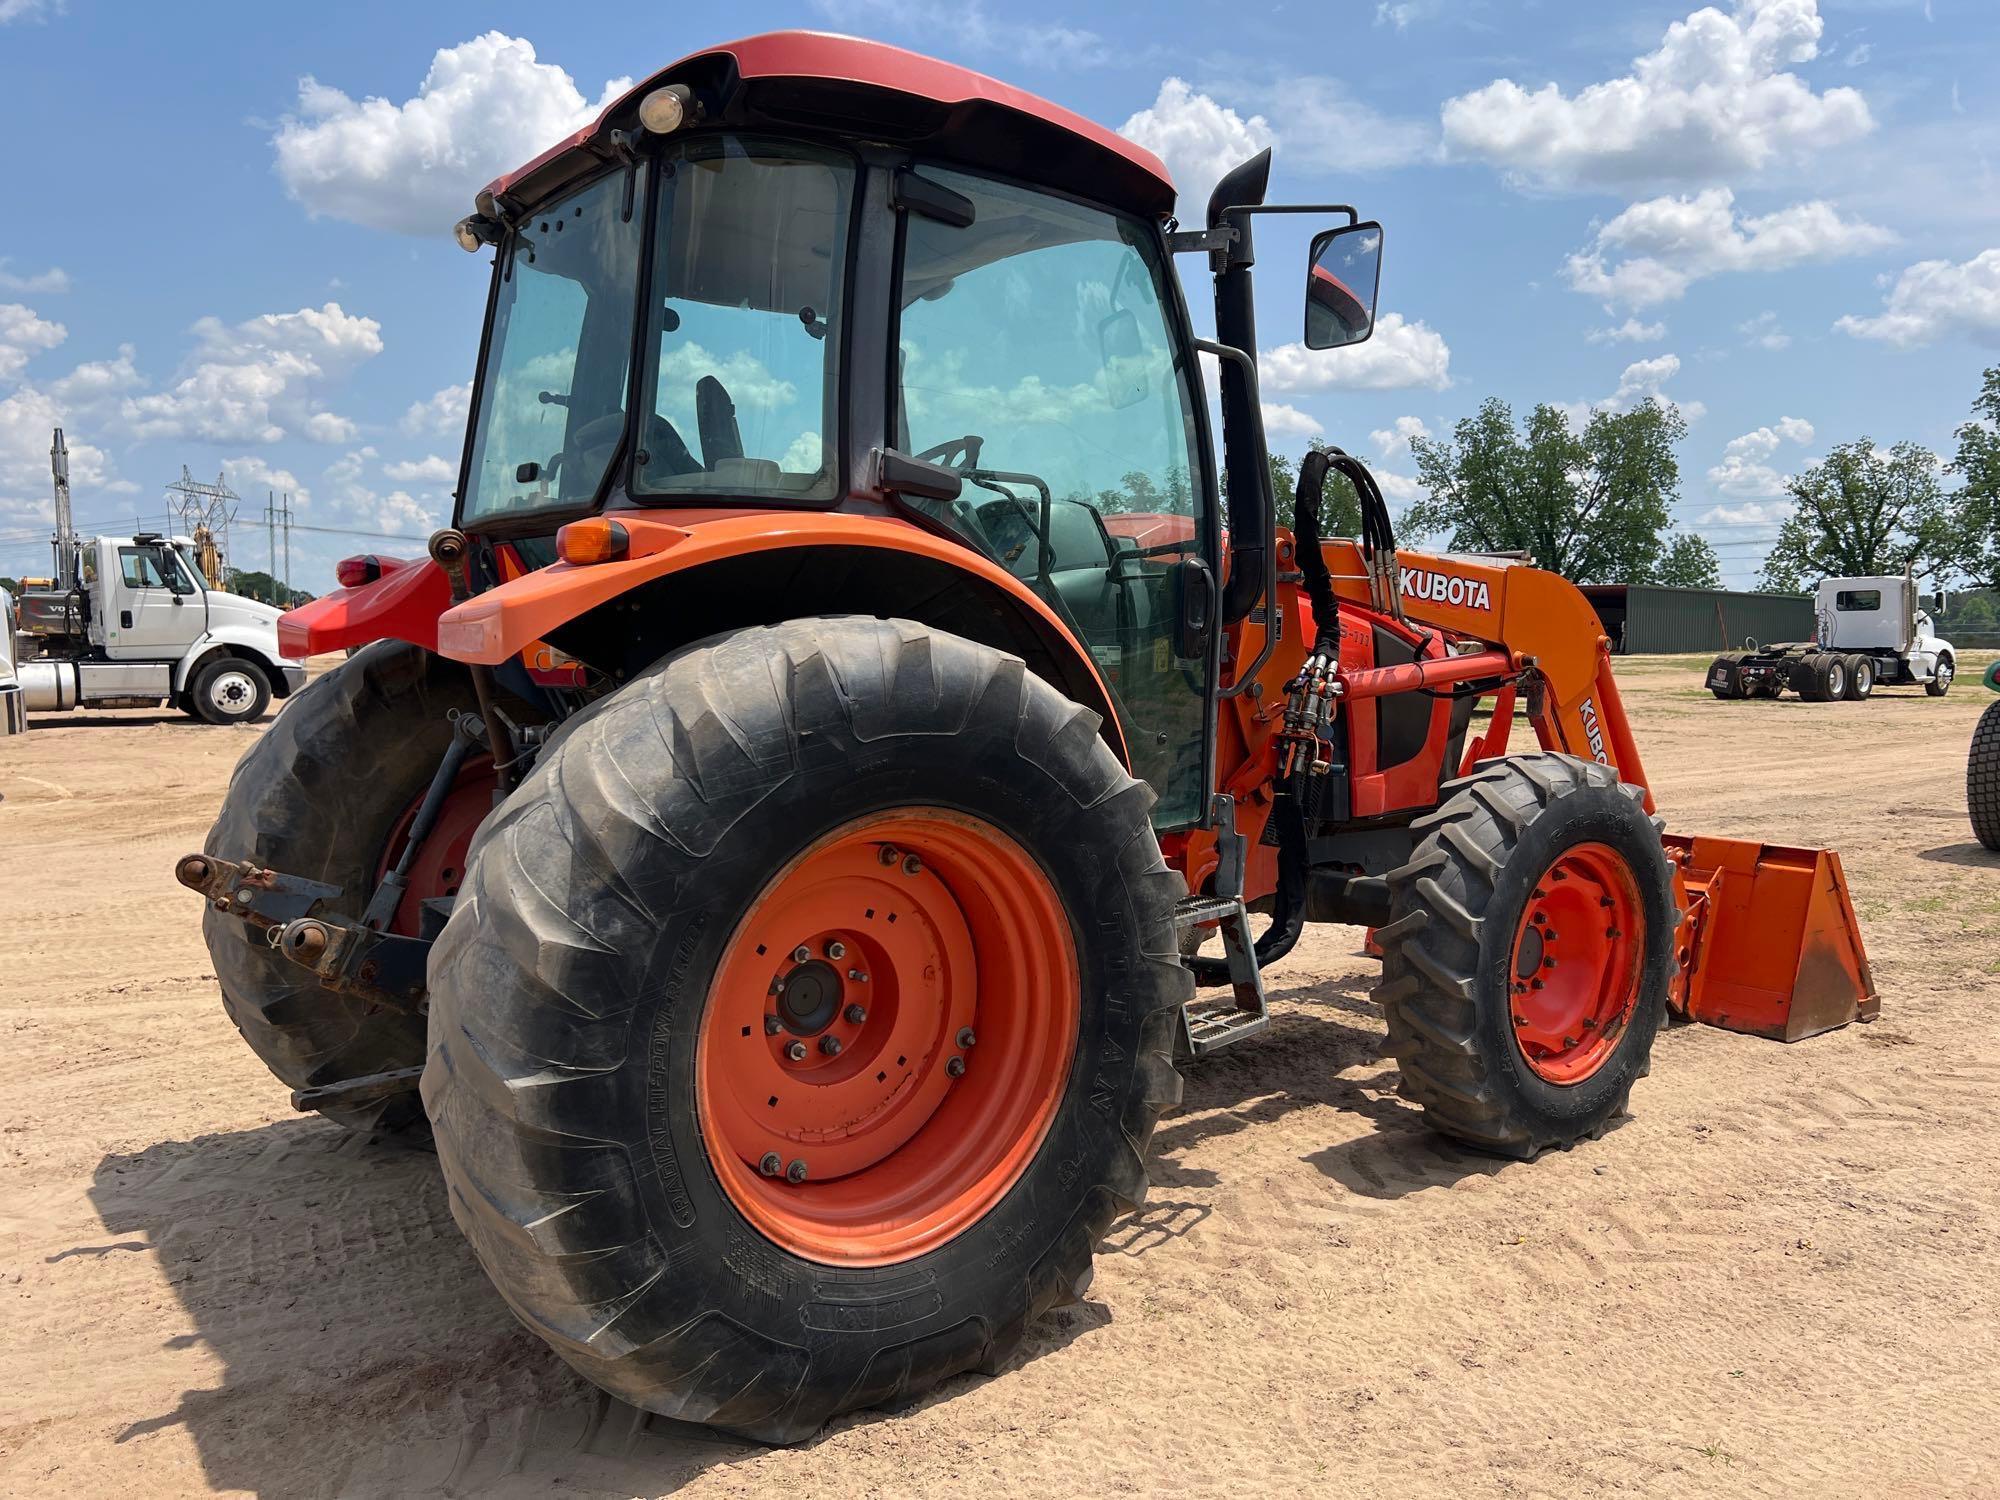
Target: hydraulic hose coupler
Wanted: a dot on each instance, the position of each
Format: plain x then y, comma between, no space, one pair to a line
448,550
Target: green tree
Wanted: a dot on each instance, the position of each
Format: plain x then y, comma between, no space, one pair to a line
1977,464
12,586
1594,506
1861,511
1340,506
254,584
1689,563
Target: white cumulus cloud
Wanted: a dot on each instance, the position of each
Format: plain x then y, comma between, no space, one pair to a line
1325,129
1399,355
23,334
259,381
37,283
1281,420
430,469
1631,331
485,107
1394,440
1716,96
1933,298
441,414
1745,470
1653,251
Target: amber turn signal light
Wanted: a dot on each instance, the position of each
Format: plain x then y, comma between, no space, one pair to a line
596,540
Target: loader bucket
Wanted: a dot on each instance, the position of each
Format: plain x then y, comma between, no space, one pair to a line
1769,943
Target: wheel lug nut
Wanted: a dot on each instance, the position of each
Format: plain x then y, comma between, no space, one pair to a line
801,953
1534,984
1549,934
1540,918
772,1164
772,1026
796,1172
1549,962
887,854
966,1038
856,1014
830,1045
956,1067
857,976
911,864
836,950
796,1051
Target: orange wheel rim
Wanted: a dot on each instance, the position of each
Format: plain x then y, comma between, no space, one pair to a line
1575,965
890,1031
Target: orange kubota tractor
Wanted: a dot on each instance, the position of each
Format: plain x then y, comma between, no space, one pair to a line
768,842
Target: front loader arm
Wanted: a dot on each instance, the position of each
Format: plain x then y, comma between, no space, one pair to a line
1540,619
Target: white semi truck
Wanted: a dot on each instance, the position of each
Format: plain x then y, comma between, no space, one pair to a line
130,622
1868,633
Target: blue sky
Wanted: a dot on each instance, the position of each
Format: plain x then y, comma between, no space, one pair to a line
230,239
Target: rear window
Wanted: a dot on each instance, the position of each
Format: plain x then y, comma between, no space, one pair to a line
1858,599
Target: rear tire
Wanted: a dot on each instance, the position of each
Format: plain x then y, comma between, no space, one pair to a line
1513,849
1832,677
1982,778
585,1037
1860,678
318,795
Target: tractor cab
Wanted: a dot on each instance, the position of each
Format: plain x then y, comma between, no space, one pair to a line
881,304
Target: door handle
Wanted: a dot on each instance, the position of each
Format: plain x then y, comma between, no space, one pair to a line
125,618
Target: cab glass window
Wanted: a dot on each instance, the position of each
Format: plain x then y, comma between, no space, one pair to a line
552,394
1858,599
1036,356
744,331
141,567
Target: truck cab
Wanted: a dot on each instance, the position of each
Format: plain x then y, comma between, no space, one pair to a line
1882,616
140,627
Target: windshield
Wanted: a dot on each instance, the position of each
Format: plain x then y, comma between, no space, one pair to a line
749,266
552,394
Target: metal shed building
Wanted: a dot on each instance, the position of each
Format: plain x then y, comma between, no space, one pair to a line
1648,618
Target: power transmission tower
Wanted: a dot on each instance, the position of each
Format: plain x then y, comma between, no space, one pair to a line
205,511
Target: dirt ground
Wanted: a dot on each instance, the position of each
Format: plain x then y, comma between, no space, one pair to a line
1780,1277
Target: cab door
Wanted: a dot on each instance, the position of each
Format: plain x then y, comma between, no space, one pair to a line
1042,354
153,611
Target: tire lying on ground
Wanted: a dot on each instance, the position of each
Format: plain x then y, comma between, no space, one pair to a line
318,794
802,1022
1528,954
1982,777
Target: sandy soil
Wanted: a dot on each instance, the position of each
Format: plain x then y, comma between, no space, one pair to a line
1778,1278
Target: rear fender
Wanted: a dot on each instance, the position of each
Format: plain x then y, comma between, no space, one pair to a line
777,567
402,605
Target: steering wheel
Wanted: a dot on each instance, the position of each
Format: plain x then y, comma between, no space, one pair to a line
964,449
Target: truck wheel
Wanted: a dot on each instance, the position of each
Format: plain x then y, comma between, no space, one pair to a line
1528,954
1860,678
1832,678
230,690
804,1022
1806,680
1941,676
1982,778
318,794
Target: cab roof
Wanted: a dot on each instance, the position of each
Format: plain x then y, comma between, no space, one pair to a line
822,83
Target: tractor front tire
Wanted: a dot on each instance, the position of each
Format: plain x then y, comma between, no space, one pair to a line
318,794
1528,954
1982,778
802,1022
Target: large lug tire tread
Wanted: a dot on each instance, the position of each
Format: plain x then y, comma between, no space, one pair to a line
317,795
1982,777
1453,910
567,991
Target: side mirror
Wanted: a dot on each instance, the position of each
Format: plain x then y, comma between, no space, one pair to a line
1341,283
1191,588
1938,607
1124,355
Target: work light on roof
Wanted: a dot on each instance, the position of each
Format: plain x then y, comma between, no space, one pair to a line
665,110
